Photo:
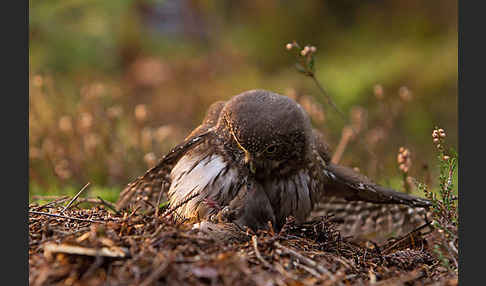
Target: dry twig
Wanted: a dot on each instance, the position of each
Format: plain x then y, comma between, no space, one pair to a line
108,205
75,197
257,253
51,203
154,276
66,217
307,261
119,252
171,210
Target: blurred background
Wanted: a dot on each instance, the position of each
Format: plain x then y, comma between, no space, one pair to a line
115,84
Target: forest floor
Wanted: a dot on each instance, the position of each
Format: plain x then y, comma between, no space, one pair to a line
101,246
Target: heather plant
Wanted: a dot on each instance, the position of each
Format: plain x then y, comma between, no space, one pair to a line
444,210
368,128
445,214
306,65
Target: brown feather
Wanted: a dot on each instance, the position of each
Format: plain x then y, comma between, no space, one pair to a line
156,180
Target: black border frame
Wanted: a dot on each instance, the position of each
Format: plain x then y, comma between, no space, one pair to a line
16,54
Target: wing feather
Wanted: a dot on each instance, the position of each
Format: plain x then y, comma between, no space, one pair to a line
148,187
361,206
370,220
345,183
198,175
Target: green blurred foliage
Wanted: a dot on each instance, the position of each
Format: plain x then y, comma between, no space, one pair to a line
103,58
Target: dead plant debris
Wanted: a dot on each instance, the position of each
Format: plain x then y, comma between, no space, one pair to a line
99,247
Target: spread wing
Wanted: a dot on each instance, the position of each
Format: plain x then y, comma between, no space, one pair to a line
361,219
345,183
360,205
144,191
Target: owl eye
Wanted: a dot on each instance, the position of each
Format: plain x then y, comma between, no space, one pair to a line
271,149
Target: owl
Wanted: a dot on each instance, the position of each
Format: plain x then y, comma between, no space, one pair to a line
257,159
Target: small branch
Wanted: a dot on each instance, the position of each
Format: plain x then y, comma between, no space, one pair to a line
310,270
409,235
406,185
305,65
401,280
257,253
56,201
449,177
157,206
280,269
134,211
45,198
346,135
168,212
309,262
108,205
155,275
75,197
329,99
116,251
66,217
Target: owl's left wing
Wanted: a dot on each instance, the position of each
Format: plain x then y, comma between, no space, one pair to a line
361,206
364,209
345,183
148,187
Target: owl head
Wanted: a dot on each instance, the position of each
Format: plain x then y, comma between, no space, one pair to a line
272,132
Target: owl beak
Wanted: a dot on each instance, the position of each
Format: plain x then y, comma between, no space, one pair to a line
249,162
